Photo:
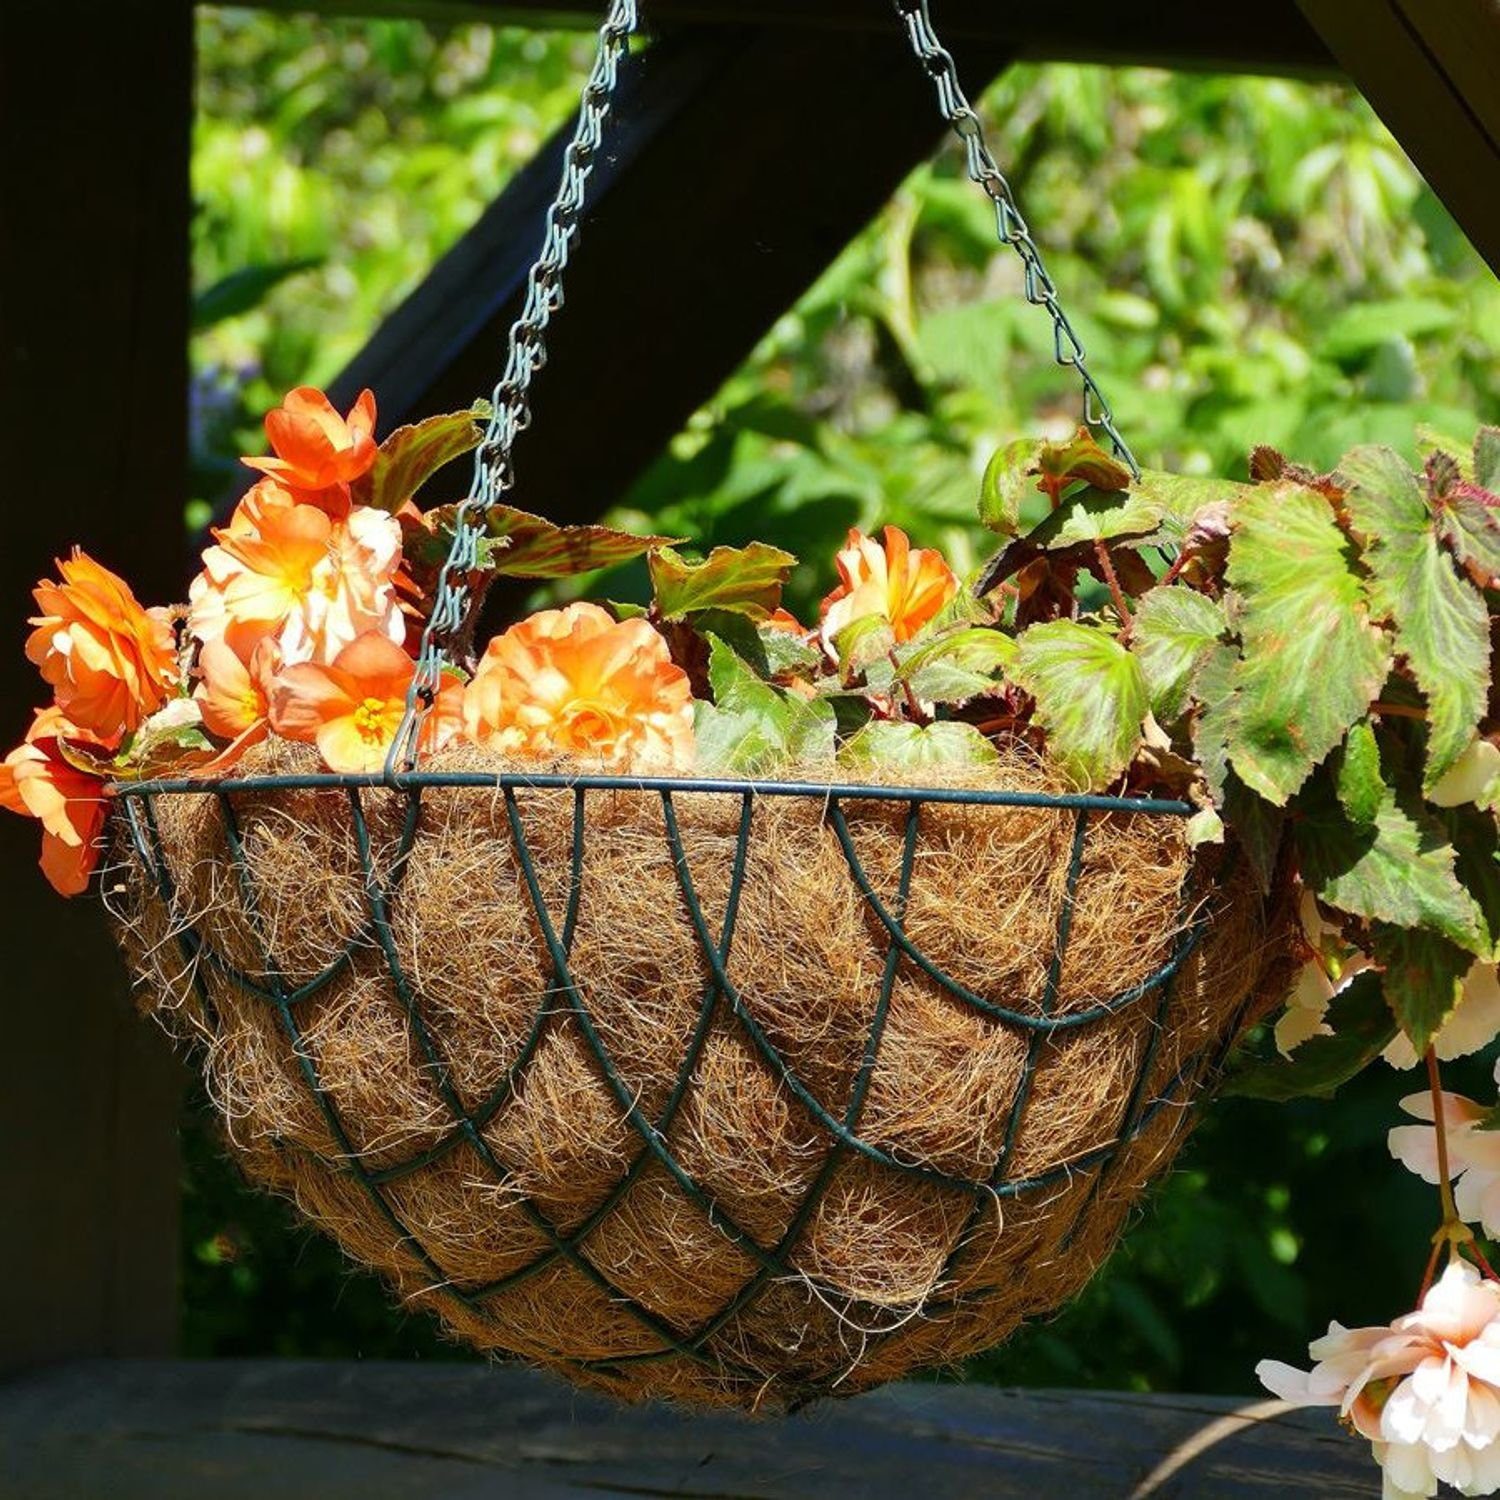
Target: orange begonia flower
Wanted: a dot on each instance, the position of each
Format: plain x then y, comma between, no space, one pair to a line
903,587
111,663
234,697
289,571
576,682
317,451
352,708
37,782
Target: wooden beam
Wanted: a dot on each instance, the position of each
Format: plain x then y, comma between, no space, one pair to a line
1429,68
96,105
353,1430
1269,36
702,229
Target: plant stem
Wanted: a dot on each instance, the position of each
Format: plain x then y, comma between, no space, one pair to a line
1452,1232
913,705
1397,711
1445,1186
1177,565
1472,1245
1438,1241
1116,593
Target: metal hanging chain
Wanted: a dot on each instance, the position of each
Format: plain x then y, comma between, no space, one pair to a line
1041,290
494,472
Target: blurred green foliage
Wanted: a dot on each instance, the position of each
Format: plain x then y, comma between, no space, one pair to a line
1247,260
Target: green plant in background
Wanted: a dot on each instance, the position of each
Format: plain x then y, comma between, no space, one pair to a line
1260,265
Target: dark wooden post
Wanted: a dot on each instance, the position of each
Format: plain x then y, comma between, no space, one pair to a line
95,112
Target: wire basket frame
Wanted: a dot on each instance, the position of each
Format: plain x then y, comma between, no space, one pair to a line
1140,1102
721,1002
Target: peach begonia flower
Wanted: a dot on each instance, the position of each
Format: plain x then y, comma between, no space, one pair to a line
234,697
319,453
1473,1154
1473,1023
37,782
906,588
289,571
352,708
1425,1390
576,682
111,663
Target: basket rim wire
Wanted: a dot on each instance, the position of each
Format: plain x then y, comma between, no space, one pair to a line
721,997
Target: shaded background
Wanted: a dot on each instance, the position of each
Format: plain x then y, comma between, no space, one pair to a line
1247,261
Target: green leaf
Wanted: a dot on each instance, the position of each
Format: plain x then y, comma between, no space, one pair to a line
1009,481
411,455
1090,697
1487,459
1365,326
1468,508
1093,515
1430,440
862,643
953,668
1474,835
539,548
1258,829
1214,721
752,728
1022,469
917,747
1441,624
1176,631
771,650
747,580
1311,660
1079,459
1469,526
1205,827
244,290
1363,1028
1358,781
171,742
1177,498
1397,870
1424,976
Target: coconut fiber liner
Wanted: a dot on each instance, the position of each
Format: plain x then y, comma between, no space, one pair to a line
710,1097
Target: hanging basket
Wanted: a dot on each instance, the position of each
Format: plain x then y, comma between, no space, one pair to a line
722,1092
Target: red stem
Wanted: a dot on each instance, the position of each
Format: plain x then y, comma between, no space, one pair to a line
1116,593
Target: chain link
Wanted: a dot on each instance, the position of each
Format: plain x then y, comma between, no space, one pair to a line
494,472
1010,223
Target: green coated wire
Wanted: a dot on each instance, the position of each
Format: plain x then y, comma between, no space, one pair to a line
721,1001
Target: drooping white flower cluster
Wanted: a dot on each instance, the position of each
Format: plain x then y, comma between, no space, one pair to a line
1425,1390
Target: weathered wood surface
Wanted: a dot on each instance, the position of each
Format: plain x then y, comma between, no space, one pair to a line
381,1431
95,110
1269,36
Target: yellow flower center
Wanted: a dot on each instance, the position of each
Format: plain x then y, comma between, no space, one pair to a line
369,720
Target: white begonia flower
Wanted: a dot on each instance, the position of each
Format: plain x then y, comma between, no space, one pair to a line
1328,973
1473,1023
1469,778
1473,1154
1424,1390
